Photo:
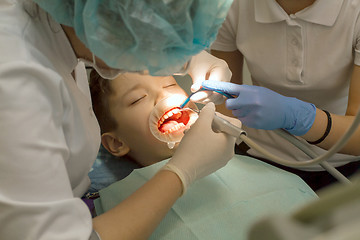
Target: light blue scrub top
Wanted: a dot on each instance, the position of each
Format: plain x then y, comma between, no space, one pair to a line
222,205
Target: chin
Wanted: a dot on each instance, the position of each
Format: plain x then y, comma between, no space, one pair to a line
162,152
167,153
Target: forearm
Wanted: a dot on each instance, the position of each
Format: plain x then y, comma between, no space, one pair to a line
139,215
340,124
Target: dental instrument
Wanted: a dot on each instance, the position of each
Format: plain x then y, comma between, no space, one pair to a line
225,126
219,124
205,89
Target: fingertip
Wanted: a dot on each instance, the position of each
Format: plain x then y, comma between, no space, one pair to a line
210,105
195,87
206,114
199,96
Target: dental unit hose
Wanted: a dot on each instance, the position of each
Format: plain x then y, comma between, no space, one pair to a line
317,160
221,125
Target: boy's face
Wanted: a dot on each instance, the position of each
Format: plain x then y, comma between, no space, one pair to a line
133,100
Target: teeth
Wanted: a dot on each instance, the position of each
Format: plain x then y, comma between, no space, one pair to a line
167,115
175,128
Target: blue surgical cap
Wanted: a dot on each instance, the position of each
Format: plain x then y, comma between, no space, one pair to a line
138,35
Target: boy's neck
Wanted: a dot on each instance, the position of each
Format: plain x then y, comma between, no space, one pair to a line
294,6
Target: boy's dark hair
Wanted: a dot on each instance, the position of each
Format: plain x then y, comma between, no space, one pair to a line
100,90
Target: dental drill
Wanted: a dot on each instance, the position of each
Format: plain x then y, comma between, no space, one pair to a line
222,125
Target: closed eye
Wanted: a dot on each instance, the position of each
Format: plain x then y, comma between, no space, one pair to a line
138,100
170,85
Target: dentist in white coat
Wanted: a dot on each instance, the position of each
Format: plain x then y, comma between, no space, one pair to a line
49,136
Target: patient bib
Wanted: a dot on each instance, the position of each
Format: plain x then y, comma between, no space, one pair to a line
222,205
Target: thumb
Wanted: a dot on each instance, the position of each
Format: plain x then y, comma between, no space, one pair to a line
196,85
230,88
217,73
206,115
198,76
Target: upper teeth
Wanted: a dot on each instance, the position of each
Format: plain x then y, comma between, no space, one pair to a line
167,115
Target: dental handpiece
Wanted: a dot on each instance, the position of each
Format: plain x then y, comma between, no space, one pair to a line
221,125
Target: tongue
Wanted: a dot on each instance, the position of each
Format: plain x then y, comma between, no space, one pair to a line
167,125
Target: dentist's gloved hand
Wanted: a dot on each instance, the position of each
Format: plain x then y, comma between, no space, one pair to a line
205,66
261,108
202,151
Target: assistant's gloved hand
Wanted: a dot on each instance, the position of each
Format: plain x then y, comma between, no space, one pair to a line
202,151
262,108
205,66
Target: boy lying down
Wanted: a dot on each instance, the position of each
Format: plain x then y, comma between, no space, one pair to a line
220,206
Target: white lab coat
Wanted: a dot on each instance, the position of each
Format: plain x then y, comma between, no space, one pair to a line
49,136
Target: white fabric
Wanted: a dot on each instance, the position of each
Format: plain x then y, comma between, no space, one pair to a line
49,136
308,55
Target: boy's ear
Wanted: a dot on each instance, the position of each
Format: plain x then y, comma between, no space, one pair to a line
114,145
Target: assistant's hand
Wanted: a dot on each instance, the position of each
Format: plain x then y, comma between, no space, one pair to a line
205,66
202,151
262,108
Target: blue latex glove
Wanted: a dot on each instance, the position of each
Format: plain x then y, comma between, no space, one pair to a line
261,108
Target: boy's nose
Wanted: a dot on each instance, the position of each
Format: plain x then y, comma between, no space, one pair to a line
161,95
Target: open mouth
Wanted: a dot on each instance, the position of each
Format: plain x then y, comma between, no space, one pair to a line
173,120
167,121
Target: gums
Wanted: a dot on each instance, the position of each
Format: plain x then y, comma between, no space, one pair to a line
173,120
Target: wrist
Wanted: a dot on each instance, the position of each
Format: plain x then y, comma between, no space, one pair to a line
328,125
175,170
302,117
